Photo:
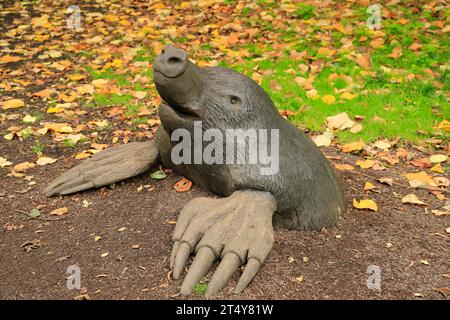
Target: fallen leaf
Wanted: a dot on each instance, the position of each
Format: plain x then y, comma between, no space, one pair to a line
340,121
382,144
59,212
412,199
321,140
13,104
4,162
344,167
438,158
369,186
348,96
34,213
420,179
366,164
439,213
8,59
24,166
29,119
158,175
183,185
365,204
422,163
388,181
437,168
356,128
364,61
99,83
354,146
396,53
328,99
42,161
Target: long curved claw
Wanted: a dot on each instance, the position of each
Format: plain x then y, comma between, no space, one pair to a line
174,253
106,167
202,263
249,273
223,274
180,260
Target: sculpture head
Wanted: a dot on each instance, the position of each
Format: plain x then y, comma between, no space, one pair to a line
220,97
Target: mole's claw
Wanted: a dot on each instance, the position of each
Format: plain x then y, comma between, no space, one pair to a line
173,253
223,274
180,260
202,263
249,273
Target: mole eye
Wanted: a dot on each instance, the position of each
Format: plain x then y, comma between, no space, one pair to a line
234,99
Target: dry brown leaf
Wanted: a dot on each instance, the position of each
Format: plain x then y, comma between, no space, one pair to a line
354,146
59,212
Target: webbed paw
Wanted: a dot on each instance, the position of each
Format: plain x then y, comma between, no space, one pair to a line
237,229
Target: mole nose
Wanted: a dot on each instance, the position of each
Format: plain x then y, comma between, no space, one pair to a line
172,61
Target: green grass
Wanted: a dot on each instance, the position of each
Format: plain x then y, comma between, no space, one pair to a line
391,106
200,288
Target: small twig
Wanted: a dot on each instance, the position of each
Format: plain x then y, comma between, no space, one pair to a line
399,184
39,218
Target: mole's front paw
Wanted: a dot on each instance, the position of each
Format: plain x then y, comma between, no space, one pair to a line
237,229
106,167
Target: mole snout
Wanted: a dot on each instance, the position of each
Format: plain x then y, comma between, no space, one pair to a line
171,62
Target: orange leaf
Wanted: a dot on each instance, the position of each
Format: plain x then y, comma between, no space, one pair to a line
183,185
364,61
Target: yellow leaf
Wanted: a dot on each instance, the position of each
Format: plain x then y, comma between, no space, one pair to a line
29,119
347,96
420,179
8,59
437,168
354,146
438,158
83,155
55,110
443,125
4,162
21,167
412,199
328,99
344,167
59,212
365,204
13,104
99,83
59,127
369,186
112,17
366,164
42,161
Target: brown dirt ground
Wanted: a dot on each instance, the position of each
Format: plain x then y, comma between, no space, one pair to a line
333,262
